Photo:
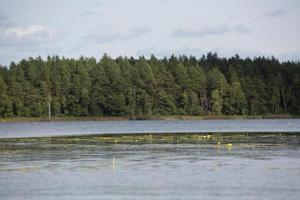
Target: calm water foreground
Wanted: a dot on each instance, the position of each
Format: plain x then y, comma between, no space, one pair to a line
151,166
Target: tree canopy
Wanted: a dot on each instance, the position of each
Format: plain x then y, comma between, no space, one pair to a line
138,86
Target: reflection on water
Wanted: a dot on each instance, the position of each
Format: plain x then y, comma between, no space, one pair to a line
172,166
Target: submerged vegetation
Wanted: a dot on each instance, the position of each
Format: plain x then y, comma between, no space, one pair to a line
221,139
217,141
149,87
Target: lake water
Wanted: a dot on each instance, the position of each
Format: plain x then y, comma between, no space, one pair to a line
214,165
40,129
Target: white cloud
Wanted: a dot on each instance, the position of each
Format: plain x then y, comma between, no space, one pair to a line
32,35
279,13
190,30
276,13
109,35
240,28
90,13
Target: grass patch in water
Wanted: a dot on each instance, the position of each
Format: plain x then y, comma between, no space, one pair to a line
24,145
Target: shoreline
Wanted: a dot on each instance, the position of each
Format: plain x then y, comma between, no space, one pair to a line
150,117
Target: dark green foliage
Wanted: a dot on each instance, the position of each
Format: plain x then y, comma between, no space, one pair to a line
169,86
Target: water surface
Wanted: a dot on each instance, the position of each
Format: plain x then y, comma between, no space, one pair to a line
199,166
39,129
207,159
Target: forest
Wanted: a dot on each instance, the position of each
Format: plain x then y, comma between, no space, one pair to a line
177,85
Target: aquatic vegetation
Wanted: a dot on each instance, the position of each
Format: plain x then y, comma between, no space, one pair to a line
219,139
229,145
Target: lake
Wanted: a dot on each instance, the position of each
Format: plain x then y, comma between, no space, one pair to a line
44,129
213,159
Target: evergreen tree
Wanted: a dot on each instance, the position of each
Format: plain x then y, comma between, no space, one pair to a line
169,86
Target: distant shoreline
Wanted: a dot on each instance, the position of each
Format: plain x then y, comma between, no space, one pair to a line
150,117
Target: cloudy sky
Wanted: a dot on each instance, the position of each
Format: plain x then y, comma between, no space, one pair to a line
72,28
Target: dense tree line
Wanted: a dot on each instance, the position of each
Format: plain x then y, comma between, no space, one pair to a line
169,86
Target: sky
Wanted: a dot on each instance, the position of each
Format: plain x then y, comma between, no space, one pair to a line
71,28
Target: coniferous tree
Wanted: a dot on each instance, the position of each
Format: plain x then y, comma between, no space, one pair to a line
169,86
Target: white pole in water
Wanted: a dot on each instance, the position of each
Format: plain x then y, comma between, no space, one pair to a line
49,108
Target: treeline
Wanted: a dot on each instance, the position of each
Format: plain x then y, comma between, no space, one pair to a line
130,87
